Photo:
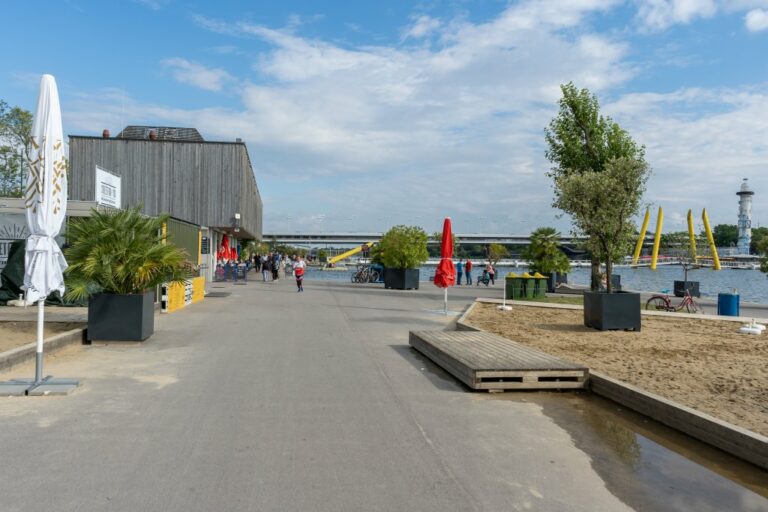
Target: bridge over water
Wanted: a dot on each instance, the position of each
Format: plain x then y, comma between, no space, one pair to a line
317,239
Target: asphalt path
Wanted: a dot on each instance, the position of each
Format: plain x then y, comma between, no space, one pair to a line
272,400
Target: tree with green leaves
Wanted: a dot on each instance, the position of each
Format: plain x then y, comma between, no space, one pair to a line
403,247
758,235
726,235
581,140
544,254
15,134
602,206
496,252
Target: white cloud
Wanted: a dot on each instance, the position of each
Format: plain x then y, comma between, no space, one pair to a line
660,14
455,128
700,144
422,26
756,20
191,73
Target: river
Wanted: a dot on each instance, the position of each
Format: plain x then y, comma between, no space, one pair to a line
751,285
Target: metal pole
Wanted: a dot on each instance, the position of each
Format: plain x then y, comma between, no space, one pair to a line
445,302
39,353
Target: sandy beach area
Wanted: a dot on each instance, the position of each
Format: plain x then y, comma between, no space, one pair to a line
704,364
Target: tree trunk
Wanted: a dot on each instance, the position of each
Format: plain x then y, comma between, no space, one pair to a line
595,276
608,273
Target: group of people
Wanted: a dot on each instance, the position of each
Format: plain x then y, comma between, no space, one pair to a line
464,268
275,265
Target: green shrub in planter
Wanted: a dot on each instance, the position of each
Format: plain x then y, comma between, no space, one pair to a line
401,248
120,253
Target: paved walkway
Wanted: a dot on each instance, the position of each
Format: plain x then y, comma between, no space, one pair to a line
277,401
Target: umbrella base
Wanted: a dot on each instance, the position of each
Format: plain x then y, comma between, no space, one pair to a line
49,386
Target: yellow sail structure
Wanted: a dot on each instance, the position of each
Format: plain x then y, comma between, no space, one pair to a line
692,236
639,246
352,252
657,239
711,240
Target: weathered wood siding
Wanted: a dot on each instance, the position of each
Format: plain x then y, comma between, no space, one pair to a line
205,183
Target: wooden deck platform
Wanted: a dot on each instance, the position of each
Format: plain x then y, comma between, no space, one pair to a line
486,361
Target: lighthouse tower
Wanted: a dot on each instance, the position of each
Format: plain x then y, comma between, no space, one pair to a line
745,217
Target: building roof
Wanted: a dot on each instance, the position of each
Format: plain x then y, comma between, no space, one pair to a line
163,133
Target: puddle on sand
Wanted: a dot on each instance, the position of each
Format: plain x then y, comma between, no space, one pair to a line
648,465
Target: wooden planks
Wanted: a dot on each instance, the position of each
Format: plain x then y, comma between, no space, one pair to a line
486,361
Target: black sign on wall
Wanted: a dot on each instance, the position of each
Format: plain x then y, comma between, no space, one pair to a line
205,246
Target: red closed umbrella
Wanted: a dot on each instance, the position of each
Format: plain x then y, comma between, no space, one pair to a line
445,275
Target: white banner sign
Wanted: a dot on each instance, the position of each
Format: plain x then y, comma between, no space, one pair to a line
107,188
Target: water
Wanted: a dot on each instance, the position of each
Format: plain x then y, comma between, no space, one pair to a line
751,285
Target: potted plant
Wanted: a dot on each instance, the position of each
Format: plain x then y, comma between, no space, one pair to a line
116,260
402,250
544,256
602,205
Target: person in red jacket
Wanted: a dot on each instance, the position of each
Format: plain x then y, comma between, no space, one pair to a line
468,271
298,271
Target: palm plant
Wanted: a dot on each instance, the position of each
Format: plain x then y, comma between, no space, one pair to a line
544,252
121,252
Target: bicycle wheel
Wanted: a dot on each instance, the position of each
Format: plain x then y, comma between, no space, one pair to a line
692,307
374,277
657,304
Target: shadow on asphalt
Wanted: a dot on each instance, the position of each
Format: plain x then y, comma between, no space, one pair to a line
436,375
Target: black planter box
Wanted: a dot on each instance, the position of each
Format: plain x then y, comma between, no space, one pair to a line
554,279
114,317
402,278
693,288
611,311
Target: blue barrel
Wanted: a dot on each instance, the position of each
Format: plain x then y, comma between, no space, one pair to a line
728,304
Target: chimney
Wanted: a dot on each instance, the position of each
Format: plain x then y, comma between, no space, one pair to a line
105,134
238,139
152,134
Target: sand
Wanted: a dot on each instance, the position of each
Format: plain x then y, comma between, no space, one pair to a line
16,334
704,364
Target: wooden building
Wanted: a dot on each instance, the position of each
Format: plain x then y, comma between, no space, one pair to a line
174,171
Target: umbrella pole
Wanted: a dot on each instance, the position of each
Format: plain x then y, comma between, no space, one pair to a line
445,302
39,353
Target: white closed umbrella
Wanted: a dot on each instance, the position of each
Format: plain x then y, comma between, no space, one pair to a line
45,199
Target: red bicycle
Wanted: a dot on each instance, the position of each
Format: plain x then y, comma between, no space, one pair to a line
662,303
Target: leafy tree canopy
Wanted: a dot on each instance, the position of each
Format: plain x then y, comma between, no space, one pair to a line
581,140
403,247
15,129
602,205
725,235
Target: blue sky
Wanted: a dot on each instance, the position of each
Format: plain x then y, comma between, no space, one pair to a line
361,115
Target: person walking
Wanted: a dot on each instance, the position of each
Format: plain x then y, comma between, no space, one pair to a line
298,271
275,266
265,261
491,272
459,272
468,271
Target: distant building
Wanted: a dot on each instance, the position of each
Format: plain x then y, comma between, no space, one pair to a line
172,170
745,218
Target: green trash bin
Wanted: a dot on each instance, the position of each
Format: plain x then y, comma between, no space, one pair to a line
513,287
529,286
541,285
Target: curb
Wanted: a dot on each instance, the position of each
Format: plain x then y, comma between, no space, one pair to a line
730,438
21,354
643,312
